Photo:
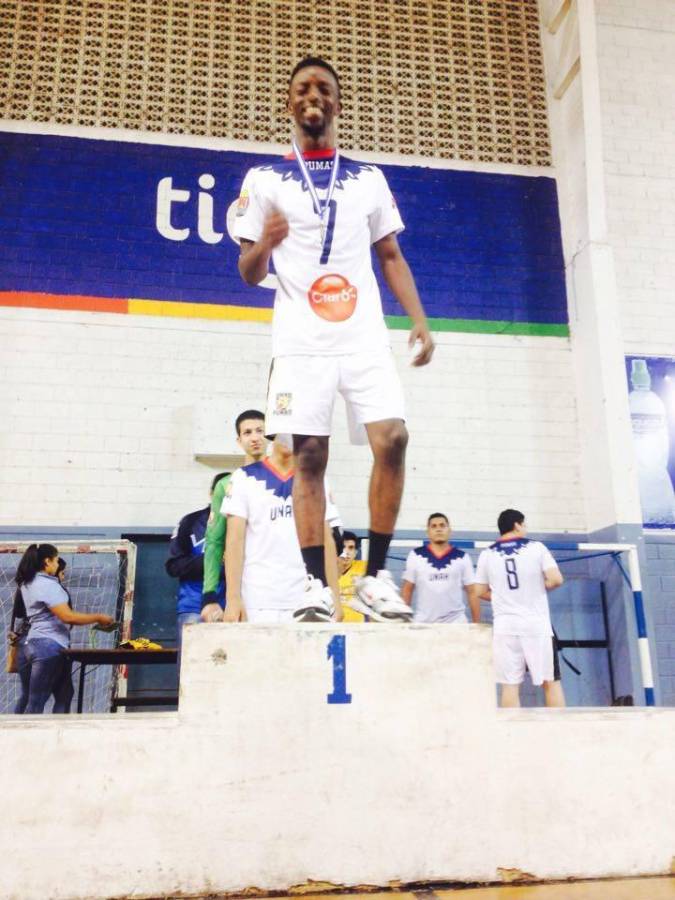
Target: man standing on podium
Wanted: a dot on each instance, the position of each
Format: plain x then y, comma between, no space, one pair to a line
315,214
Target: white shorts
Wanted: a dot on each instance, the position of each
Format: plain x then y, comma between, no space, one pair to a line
302,389
512,653
269,616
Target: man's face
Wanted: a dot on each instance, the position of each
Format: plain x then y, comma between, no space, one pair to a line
520,529
251,438
349,550
314,100
438,530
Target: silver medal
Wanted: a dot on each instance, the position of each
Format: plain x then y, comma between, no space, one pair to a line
320,206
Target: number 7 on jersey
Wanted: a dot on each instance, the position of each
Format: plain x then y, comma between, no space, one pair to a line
330,230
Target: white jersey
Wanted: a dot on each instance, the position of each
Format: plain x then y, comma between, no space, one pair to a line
327,300
439,582
274,574
514,569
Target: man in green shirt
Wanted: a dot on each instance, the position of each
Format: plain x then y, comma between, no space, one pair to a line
250,427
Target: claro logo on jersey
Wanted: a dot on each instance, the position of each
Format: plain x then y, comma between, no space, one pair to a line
333,298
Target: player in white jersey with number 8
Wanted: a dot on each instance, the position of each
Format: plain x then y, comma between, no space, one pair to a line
316,215
515,574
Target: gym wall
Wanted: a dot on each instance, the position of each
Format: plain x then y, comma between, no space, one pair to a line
114,333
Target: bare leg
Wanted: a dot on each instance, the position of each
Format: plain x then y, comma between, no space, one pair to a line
309,496
553,693
510,695
388,441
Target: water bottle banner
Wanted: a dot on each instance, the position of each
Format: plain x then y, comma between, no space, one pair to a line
651,384
121,227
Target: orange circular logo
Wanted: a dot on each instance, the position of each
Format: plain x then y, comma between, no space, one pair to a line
333,298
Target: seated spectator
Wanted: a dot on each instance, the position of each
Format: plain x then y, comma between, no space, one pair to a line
350,568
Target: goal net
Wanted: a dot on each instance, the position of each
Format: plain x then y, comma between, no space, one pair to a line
99,577
596,615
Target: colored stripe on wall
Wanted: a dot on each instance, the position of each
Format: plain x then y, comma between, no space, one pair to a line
138,307
83,217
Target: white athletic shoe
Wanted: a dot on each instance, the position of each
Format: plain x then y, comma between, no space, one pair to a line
316,604
379,599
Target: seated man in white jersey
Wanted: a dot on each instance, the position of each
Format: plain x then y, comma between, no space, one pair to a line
265,575
515,574
316,214
437,576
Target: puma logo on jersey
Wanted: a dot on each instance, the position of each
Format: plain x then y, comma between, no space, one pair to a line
333,298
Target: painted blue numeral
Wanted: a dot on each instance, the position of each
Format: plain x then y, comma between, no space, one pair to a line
328,240
336,650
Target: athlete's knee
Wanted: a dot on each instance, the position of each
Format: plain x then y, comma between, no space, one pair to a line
390,442
311,455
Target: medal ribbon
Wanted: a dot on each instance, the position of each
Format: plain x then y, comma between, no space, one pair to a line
320,206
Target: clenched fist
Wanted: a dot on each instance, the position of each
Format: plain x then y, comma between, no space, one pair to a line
275,229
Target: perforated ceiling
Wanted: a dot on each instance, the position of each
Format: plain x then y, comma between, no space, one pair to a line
449,78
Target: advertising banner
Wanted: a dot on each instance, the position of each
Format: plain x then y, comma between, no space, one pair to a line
651,384
141,228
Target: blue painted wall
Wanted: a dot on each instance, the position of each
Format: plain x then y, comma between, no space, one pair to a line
78,218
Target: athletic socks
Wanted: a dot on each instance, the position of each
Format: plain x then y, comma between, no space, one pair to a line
377,552
315,562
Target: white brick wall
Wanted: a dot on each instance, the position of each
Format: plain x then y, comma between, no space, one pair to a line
636,50
99,425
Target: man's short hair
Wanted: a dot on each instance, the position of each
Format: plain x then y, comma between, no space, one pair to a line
437,516
248,414
315,61
217,478
350,536
509,519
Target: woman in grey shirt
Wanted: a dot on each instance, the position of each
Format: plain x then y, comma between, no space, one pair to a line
51,617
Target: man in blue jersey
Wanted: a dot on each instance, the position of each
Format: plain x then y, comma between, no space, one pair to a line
438,576
186,562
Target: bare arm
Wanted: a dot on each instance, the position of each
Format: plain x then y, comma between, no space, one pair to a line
330,559
63,612
553,578
483,592
254,258
235,543
407,590
474,602
399,278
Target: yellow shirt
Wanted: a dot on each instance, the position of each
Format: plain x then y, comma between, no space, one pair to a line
347,589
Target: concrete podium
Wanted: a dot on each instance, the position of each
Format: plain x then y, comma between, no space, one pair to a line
358,754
